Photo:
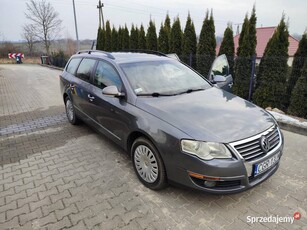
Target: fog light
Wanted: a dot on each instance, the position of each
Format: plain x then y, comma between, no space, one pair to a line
209,184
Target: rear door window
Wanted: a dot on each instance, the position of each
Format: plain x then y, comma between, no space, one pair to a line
85,69
73,65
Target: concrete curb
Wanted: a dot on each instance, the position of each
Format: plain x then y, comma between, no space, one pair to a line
292,128
52,67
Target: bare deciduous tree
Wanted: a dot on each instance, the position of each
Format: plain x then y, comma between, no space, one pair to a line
45,21
28,32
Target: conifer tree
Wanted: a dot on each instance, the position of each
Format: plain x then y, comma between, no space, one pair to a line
125,38
298,102
163,40
206,45
228,47
100,44
246,50
142,38
151,38
115,42
273,68
300,58
133,37
120,38
108,40
189,43
167,27
176,38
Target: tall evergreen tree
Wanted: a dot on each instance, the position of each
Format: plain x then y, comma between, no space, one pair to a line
189,43
300,58
134,37
252,32
167,27
176,38
273,67
298,102
246,50
167,24
163,40
120,38
108,40
125,38
142,38
100,43
228,47
206,45
115,42
151,38
98,40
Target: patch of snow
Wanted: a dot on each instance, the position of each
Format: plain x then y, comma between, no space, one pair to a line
287,119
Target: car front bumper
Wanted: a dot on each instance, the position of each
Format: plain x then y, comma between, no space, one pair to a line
227,175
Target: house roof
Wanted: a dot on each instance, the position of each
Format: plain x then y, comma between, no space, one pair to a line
263,36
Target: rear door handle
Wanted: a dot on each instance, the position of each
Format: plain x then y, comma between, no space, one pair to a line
90,97
230,85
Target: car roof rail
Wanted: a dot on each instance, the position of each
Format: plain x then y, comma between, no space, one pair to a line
144,51
97,51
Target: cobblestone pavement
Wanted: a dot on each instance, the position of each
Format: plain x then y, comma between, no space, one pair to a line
54,175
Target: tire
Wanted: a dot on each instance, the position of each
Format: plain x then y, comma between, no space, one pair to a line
70,112
148,164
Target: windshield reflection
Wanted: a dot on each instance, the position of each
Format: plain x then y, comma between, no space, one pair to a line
167,77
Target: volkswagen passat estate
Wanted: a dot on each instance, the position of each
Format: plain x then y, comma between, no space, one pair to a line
176,125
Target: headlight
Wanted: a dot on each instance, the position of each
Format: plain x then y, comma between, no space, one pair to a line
205,150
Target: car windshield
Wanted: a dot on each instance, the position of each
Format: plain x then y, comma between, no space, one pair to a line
167,77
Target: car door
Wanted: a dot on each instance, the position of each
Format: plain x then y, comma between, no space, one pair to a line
108,112
220,75
81,87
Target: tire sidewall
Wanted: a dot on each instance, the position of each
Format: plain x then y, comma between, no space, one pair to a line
161,180
74,120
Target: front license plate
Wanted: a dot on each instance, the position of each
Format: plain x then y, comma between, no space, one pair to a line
265,165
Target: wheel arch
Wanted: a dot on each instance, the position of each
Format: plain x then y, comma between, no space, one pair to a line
135,135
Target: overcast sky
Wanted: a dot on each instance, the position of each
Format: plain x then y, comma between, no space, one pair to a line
119,12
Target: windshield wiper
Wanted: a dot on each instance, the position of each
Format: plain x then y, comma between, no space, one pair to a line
155,94
191,90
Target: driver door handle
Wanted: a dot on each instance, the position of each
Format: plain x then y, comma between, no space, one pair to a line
90,97
71,86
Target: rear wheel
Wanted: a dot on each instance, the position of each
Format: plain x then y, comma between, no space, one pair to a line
70,112
148,164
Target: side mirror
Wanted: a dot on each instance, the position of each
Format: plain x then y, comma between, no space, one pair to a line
112,91
219,78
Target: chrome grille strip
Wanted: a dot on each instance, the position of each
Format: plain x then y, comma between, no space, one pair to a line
250,148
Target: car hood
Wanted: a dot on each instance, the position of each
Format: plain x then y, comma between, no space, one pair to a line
209,115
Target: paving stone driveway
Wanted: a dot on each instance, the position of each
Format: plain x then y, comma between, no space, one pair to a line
54,175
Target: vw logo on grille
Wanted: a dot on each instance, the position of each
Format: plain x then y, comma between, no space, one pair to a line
265,144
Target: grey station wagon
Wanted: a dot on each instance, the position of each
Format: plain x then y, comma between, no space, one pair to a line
176,125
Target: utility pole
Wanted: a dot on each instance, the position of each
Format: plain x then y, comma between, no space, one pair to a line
99,7
77,36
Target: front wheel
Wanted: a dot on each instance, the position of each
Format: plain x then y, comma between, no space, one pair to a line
148,164
70,112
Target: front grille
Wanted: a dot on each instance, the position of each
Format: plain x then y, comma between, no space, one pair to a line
251,149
